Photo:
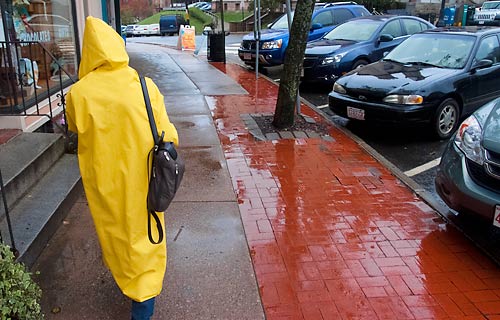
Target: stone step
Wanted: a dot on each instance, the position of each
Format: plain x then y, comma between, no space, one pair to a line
24,160
36,216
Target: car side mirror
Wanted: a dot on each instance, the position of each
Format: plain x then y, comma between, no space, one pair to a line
385,37
316,26
483,63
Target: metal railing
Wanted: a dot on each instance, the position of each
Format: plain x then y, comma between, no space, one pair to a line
33,81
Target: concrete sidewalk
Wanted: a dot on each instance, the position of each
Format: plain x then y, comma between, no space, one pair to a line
327,230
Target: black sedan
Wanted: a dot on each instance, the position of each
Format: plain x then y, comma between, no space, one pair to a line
356,43
437,77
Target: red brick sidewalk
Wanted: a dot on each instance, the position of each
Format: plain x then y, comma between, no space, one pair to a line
333,235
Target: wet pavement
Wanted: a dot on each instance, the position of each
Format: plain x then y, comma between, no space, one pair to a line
331,232
334,235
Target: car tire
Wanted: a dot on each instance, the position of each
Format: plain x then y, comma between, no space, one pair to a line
359,63
446,118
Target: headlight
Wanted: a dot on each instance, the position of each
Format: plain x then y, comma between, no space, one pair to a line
404,99
332,59
338,88
275,44
468,139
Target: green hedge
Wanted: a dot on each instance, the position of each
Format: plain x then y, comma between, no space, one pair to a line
201,16
156,17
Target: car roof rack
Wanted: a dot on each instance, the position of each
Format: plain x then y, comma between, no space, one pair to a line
343,3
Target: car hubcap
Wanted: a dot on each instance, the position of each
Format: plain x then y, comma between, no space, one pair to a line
447,119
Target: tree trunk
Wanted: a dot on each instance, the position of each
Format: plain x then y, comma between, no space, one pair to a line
284,114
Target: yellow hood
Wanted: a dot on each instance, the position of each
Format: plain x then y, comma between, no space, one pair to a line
104,48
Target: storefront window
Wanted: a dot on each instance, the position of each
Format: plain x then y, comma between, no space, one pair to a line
40,47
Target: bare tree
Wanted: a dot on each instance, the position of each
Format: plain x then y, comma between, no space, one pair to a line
284,114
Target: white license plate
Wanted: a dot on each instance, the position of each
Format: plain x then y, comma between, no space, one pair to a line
247,56
496,218
356,113
481,22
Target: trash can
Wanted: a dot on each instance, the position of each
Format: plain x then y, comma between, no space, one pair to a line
216,43
449,16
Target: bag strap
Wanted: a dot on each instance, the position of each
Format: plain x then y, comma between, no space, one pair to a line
152,123
157,141
158,226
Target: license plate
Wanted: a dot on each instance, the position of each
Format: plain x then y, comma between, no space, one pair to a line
481,22
356,113
247,56
496,218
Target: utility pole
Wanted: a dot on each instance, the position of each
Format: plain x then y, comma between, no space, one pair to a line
222,29
256,35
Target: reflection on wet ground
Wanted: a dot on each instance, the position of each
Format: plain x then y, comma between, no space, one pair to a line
334,235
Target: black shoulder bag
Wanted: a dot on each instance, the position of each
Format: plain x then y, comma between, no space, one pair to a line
167,170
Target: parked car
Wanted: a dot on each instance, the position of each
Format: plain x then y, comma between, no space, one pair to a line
274,40
468,177
130,30
205,6
488,14
170,24
123,29
194,4
356,43
141,30
154,29
436,77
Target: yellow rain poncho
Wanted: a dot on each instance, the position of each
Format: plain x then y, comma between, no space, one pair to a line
106,108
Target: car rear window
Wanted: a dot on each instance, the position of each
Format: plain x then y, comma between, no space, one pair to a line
361,12
168,18
341,15
357,30
324,18
282,22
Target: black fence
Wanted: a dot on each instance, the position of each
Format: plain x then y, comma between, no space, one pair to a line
33,78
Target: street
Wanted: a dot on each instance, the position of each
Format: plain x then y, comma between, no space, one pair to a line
413,150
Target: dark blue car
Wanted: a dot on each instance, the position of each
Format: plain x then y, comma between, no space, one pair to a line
356,43
274,41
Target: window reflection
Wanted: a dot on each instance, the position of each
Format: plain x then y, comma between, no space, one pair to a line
41,50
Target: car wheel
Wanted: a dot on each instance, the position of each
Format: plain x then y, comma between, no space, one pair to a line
359,63
446,118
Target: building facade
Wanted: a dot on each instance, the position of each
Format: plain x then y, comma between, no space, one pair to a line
40,43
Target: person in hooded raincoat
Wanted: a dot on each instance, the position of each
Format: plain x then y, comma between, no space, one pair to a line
106,109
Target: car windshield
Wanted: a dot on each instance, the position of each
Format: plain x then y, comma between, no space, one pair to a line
281,23
358,30
449,51
490,5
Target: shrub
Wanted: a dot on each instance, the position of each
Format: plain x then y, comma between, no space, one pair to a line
205,19
19,294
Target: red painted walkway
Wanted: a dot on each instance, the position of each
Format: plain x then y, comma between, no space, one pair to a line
333,235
